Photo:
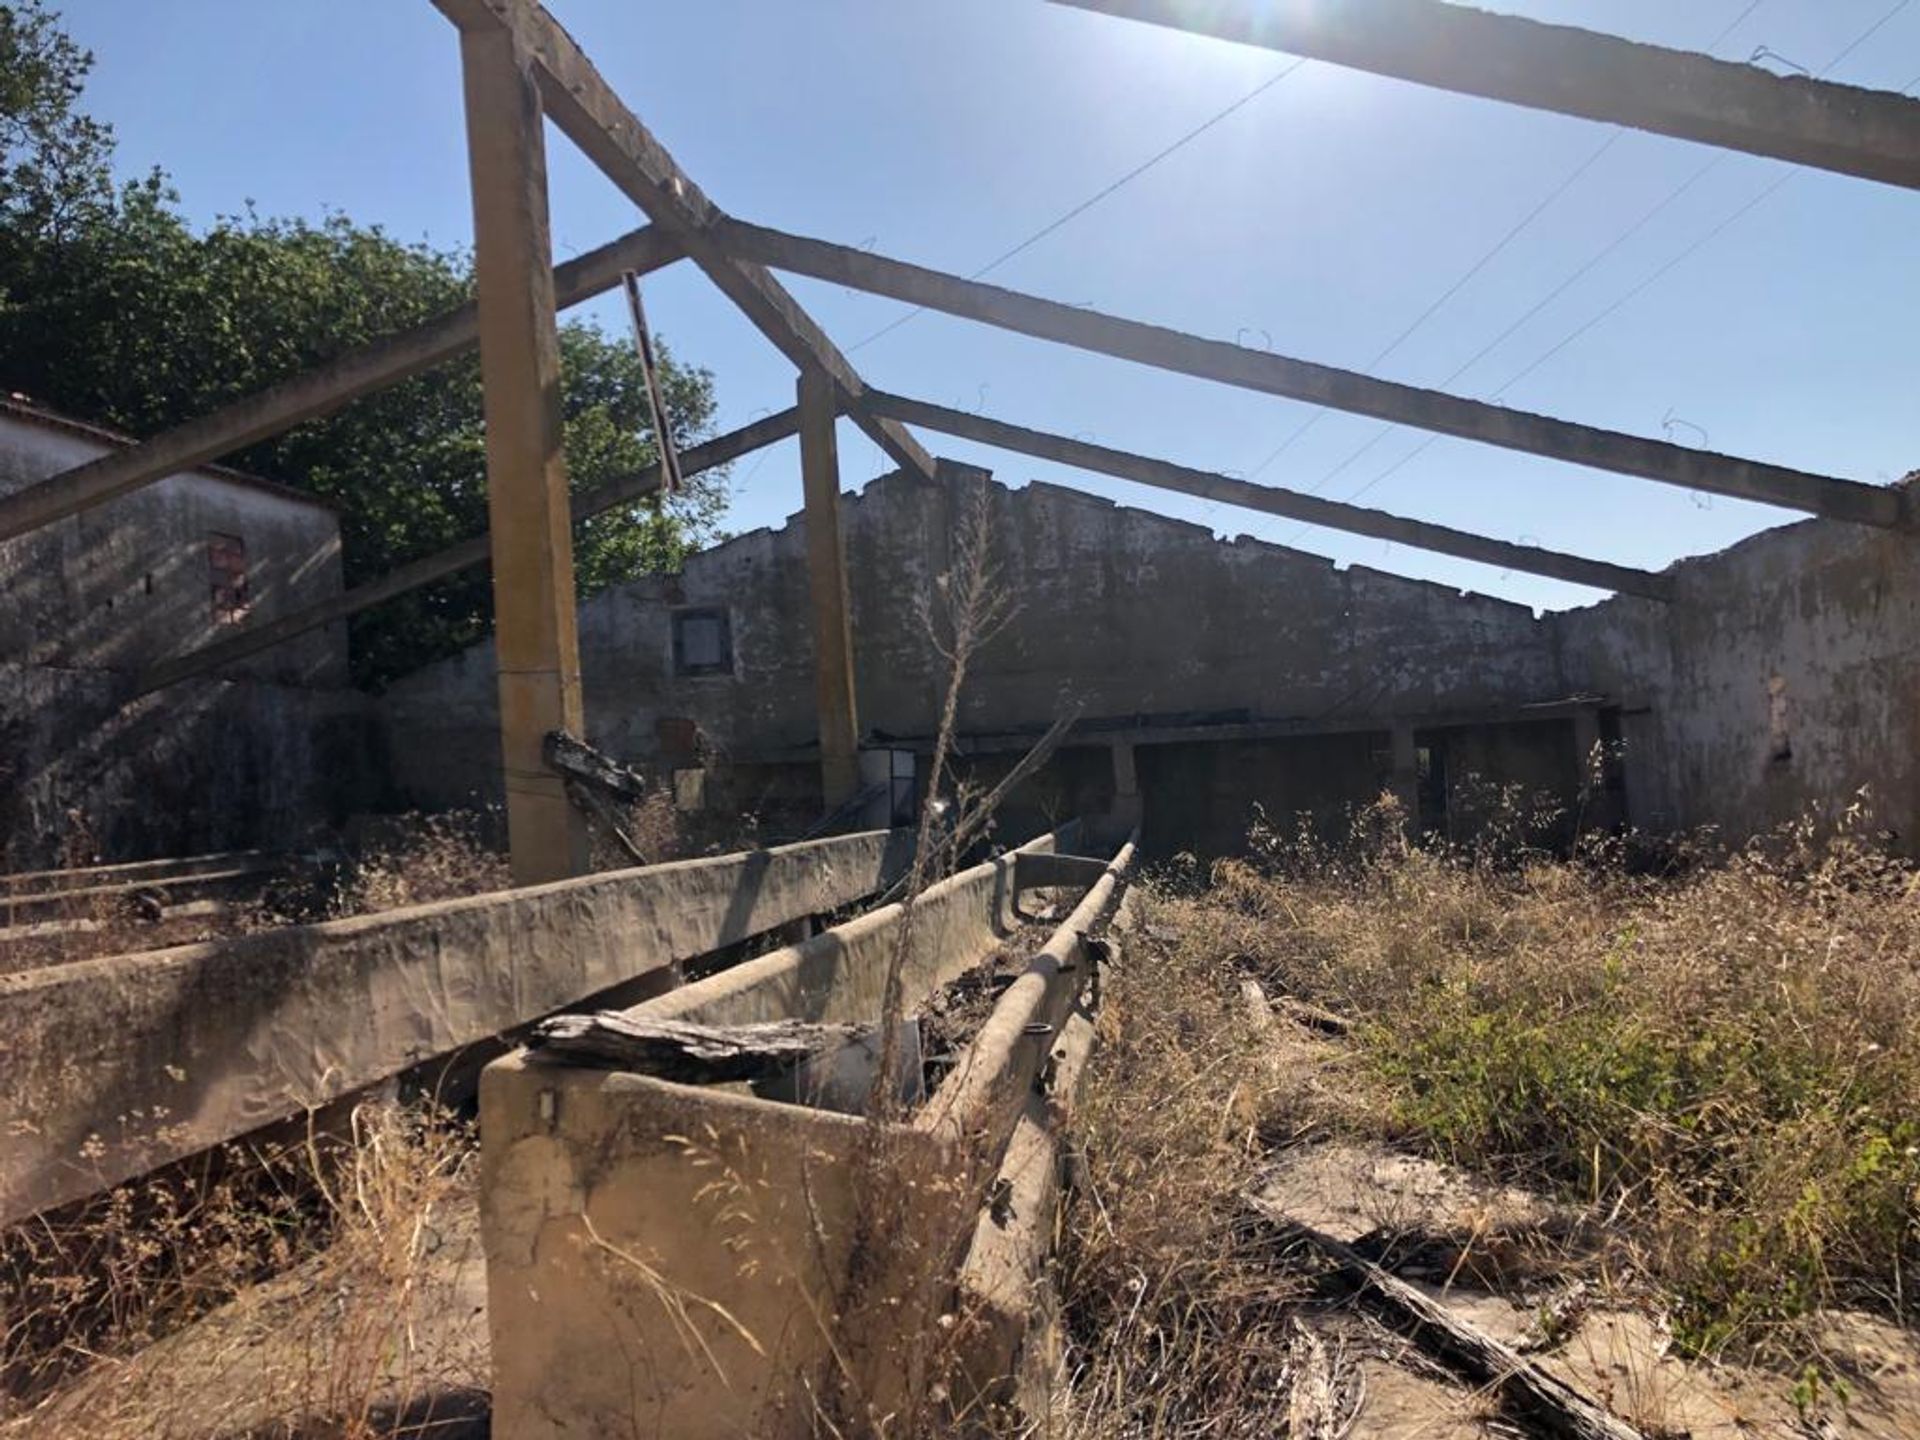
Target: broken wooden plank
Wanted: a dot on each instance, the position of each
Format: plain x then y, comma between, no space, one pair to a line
575,758
1312,1017
656,400
1469,1352
687,1052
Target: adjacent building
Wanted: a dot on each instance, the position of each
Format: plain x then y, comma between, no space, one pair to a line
92,600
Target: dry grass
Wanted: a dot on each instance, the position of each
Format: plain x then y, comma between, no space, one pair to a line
413,859
1176,1326
1725,1056
98,1300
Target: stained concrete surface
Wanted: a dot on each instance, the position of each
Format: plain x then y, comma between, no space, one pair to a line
671,1259
118,1065
1782,680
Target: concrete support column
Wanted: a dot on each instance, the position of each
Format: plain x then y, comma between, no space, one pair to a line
531,524
1127,806
827,585
1406,775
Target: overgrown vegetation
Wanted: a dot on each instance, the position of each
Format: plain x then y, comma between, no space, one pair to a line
115,309
1723,1055
1177,1327
367,1211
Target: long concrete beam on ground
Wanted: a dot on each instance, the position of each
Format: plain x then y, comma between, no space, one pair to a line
308,395
1313,383
129,873
590,114
1334,514
451,561
120,1065
1873,134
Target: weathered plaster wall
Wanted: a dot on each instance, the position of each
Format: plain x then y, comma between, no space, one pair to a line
1784,678
126,584
90,600
1120,611
208,765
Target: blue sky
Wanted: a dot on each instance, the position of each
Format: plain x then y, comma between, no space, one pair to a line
1323,218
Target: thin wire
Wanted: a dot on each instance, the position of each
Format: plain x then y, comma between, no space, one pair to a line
1487,258
1539,305
1633,293
1092,200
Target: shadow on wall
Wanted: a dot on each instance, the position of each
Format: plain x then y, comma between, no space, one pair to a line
201,766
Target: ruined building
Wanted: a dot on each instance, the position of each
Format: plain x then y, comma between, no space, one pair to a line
95,599
1213,675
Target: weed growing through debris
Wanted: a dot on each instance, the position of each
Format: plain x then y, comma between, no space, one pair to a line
1724,1055
896,1279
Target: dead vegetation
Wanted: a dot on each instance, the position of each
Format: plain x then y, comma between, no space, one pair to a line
1176,1327
1703,1077
326,1285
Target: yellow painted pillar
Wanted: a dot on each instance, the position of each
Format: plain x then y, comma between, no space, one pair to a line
536,642
827,583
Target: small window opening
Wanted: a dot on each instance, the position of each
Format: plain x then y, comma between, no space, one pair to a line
702,642
227,578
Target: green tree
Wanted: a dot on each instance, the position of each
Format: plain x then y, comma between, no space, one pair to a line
115,309
53,159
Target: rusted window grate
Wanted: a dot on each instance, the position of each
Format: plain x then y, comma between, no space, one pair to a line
227,577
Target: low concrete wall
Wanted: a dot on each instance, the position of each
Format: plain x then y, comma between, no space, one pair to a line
668,1259
118,1065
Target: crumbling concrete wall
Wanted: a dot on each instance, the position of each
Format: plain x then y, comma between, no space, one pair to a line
1783,679
1119,611
126,584
92,600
